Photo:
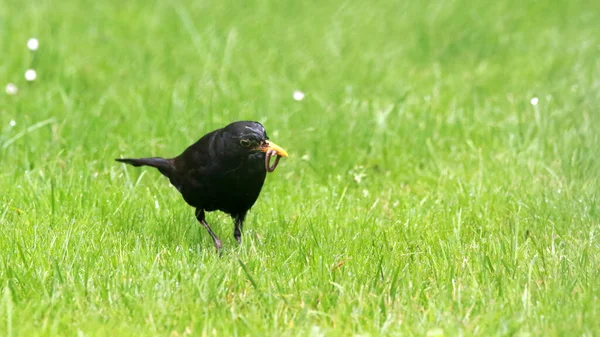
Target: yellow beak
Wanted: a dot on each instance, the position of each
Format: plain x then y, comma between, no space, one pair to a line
268,146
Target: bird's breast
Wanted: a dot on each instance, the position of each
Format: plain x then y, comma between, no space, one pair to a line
232,189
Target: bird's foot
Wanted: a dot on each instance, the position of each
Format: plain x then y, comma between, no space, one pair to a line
218,245
238,238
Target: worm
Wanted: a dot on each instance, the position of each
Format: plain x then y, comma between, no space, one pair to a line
268,160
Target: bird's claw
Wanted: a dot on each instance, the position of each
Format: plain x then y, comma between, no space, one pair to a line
218,245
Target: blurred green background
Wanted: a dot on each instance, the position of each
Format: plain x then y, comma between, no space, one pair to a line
443,177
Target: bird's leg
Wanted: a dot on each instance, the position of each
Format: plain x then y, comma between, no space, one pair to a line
200,217
239,225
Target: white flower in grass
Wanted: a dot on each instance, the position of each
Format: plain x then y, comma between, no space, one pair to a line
33,44
30,75
534,101
298,95
11,89
12,122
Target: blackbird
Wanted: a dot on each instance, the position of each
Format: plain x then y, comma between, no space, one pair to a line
224,170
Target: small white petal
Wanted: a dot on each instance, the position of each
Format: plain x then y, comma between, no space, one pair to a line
12,123
298,95
534,101
30,75
33,43
11,89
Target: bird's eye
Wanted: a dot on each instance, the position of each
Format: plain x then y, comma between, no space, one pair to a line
245,142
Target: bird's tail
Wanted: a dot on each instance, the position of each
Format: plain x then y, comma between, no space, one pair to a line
165,166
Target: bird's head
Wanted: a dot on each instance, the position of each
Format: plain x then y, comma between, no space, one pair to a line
249,138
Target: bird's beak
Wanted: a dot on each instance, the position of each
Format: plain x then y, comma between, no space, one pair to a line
270,146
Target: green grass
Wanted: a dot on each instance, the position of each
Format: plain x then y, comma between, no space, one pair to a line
424,195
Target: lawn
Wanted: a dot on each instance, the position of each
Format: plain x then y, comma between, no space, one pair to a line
443,179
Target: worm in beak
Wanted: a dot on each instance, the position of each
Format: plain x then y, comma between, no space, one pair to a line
268,166
272,149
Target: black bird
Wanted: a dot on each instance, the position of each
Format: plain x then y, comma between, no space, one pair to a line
224,170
